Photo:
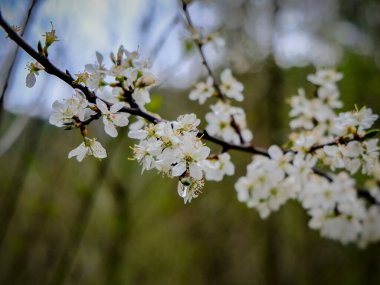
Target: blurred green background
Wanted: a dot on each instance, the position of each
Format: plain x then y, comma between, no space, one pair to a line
64,222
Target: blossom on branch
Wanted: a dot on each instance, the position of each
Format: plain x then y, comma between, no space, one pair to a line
202,91
355,122
33,68
88,147
70,110
215,167
174,149
325,77
220,123
112,117
230,87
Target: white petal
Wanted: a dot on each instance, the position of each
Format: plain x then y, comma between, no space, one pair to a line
229,169
226,75
195,171
109,128
81,114
117,107
330,150
275,152
182,190
57,106
137,134
56,119
247,135
179,169
98,150
102,106
353,149
30,80
202,153
121,120
80,152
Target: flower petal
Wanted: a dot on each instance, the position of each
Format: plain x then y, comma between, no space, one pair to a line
30,80
195,171
102,106
179,169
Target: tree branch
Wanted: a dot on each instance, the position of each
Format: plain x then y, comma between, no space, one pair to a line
49,67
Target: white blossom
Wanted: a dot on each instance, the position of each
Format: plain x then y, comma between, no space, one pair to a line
174,149
189,188
230,87
220,123
217,166
350,122
33,68
142,80
187,123
112,117
353,156
330,96
96,73
265,186
88,147
325,77
190,158
202,91
65,112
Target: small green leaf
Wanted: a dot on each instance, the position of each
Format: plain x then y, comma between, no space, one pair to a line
39,48
371,133
188,46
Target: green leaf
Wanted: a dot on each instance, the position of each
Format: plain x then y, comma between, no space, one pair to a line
371,133
188,46
39,48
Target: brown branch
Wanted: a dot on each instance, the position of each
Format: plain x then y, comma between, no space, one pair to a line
227,146
338,141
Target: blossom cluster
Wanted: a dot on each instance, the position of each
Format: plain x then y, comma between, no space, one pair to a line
131,77
175,149
341,142
224,121
269,182
77,110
